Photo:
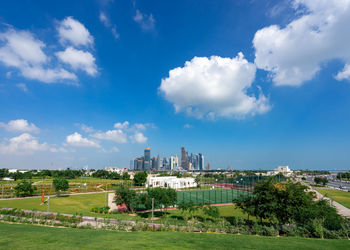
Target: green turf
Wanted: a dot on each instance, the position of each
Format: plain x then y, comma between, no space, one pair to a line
214,196
15,236
339,196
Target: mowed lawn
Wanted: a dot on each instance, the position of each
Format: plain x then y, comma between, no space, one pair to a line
19,236
82,204
339,196
66,204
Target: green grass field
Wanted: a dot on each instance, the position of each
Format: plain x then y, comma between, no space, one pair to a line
339,196
82,204
214,196
15,236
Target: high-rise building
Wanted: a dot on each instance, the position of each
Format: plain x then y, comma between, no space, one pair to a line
165,163
173,162
184,159
200,161
147,159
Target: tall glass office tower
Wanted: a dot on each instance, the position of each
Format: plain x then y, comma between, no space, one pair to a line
147,159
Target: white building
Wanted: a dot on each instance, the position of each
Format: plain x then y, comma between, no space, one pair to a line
170,181
116,170
283,170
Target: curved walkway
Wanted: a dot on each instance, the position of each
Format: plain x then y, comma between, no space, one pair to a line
343,211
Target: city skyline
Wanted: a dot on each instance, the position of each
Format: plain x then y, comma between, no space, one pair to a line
249,84
172,163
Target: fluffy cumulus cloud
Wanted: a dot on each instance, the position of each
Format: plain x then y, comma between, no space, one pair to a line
21,50
77,140
294,54
74,32
120,125
116,135
214,87
78,59
146,21
23,144
20,125
139,137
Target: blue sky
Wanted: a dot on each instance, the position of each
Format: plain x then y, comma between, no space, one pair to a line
250,84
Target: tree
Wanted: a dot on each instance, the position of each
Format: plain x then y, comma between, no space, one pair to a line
126,176
163,197
125,195
140,178
60,185
187,207
212,212
24,188
324,181
318,180
276,201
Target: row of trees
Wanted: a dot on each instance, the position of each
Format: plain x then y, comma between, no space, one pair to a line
104,174
67,173
287,202
163,198
343,176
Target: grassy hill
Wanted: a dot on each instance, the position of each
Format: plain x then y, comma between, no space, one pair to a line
17,236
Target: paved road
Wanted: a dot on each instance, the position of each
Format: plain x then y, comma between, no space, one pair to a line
333,182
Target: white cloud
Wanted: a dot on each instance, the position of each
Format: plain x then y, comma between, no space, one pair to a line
188,125
22,87
48,75
23,144
20,49
74,32
344,74
138,137
78,59
140,126
117,136
214,87
146,22
77,140
294,54
87,129
107,23
20,125
123,125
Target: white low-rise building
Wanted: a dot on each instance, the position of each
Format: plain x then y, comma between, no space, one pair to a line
281,170
171,182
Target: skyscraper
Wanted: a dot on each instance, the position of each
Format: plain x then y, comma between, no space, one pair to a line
200,161
147,159
184,159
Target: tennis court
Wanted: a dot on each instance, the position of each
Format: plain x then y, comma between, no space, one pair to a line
207,196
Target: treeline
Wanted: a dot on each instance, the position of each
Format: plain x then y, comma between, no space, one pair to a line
103,174
345,175
313,172
67,173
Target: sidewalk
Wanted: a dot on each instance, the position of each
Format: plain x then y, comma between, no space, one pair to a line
343,211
